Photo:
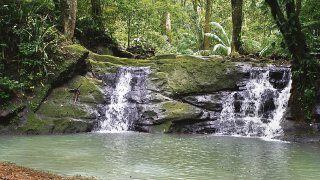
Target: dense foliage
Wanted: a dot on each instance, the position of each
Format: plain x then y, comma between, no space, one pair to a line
28,37
31,32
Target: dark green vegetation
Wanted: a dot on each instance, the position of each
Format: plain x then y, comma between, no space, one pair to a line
34,59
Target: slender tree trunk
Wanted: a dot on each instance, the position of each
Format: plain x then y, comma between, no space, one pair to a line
206,43
96,10
69,13
129,31
166,26
237,18
197,22
304,71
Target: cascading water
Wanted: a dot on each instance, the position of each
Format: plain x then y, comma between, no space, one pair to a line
128,93
258,109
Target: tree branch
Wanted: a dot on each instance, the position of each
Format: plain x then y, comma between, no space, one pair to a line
278,15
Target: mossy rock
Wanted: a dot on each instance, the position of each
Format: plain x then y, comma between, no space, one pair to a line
165,56
60,103
35,125
161,128
178,111
76,49
186,76
89,89
175,75
39,125
63,126
55,110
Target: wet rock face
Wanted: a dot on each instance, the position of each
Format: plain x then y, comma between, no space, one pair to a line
176,99
279,78
268,103
211,102
201,113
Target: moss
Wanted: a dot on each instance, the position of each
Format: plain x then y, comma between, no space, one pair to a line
165,56
70,126
178,75
76,49
192,75
60,102
34,125
56,110
41,94
60,96
161,128
103,67
89,89
120,61
176,111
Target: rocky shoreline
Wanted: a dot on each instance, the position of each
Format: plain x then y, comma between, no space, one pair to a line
10,171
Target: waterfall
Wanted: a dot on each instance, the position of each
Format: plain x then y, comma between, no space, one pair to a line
125,97
258,109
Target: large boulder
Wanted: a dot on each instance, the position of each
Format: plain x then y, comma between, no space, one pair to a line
60,113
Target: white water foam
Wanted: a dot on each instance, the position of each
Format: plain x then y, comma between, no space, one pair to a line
252,116
120,113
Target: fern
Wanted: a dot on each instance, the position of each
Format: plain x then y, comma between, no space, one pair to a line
219,34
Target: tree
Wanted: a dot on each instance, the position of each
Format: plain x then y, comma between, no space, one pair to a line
237,17
305,69
96,11
166,26
197,21
206,43
69,13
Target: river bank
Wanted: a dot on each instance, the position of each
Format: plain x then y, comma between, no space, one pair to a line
10,171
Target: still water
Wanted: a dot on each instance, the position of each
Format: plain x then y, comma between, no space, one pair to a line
158,156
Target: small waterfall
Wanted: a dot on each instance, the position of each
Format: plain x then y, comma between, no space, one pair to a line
128,93
258,109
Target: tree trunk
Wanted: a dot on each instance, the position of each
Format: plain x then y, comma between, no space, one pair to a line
304,71
129,31
197,22
96,11
237,17
206,43
69,13
166,26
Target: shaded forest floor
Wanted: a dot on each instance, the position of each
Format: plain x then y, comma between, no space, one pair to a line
9,171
